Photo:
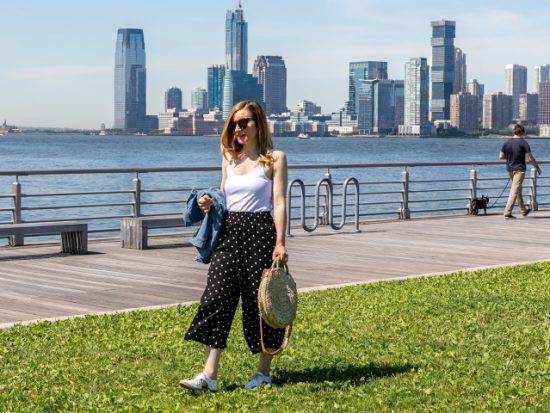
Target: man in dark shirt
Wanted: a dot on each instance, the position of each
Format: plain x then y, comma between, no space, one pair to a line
514,151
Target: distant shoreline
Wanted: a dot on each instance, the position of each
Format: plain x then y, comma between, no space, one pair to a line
381,136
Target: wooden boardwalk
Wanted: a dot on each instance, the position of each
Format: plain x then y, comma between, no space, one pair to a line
38,283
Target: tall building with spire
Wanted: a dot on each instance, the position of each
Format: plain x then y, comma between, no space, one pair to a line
236,40
238,85
130,80
442,68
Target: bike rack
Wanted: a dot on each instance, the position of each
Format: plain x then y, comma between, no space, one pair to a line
327,183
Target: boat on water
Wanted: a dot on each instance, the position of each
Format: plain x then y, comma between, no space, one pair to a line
303,136
5,129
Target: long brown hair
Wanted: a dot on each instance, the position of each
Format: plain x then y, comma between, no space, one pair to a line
265,143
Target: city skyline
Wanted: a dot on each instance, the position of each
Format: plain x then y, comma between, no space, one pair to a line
40,81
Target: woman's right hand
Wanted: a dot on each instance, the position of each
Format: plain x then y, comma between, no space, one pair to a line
205,202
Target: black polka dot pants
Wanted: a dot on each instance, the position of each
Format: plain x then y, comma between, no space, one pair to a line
244,249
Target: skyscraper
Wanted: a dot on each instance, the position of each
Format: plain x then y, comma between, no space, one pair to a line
528,108
464,111
380,105
271,74
236,40
239,86
130,80
416,98
216,74
497,111
173,99
516,84
542,73
475,88
388,105
544,103
478,90
365,106
199,99
460,71
359,71
443,68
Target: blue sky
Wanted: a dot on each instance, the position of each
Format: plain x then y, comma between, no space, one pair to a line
57,56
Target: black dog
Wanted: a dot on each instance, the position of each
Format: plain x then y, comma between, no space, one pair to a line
477,204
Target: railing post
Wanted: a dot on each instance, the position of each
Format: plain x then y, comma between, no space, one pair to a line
137,196
289,208
326,217
405,212
533,190
473,187
16,212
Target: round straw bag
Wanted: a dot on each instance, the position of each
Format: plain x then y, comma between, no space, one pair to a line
277,301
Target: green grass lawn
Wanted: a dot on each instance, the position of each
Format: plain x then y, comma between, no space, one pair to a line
463,342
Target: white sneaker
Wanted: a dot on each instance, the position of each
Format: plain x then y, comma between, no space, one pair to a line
200,382
257,380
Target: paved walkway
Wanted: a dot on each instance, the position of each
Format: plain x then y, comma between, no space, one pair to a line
38,283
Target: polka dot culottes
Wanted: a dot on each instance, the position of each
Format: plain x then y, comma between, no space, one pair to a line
244,249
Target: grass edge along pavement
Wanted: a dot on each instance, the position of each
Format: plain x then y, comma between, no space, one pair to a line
468,341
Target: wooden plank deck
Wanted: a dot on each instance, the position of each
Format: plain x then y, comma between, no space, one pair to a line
38,283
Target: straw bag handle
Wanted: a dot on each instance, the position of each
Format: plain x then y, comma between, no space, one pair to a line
277,264
288,330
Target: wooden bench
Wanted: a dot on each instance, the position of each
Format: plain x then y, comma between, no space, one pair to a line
74,234
134,231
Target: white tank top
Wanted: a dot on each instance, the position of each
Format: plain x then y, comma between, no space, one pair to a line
251,192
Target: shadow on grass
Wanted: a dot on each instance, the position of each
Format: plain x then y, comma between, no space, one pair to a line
351,374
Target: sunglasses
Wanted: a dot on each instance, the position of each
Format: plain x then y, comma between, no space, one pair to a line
243,123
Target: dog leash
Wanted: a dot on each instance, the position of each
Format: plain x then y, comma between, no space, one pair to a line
496,200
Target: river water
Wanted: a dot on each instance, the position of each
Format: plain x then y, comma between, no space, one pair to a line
31,152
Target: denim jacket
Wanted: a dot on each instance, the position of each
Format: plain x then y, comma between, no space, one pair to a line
206,236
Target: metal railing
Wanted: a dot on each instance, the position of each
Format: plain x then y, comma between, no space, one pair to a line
380,191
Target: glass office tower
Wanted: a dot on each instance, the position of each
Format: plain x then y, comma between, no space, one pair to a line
199,99
271,74
130,80
173,99
416,92
443,68
359,71
216,74
239,86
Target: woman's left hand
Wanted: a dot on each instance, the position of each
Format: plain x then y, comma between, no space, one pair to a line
280,252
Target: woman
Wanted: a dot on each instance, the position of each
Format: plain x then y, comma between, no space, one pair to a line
254,179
